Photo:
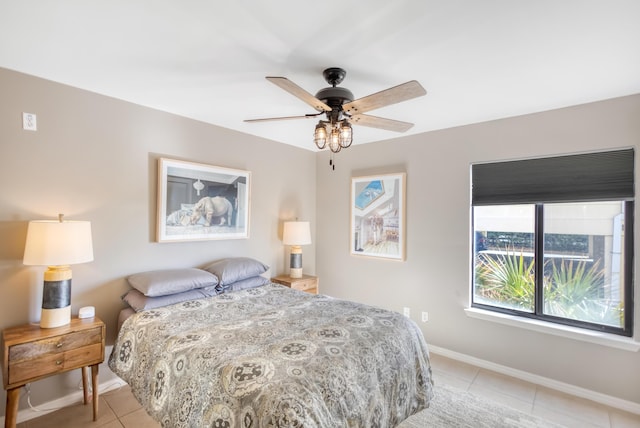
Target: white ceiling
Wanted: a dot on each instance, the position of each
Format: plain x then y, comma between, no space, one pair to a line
207,59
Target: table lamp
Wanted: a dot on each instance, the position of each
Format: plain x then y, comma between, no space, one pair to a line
57,244
296,233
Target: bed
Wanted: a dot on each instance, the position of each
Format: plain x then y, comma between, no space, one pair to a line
270,356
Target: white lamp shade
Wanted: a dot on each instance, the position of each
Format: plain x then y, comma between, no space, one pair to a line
296,233
56,243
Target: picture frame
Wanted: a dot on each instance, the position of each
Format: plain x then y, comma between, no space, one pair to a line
201,202
378,216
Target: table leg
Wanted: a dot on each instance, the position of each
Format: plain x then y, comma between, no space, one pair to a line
11,416
85,390
94,383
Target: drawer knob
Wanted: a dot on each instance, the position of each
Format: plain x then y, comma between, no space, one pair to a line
58,345
58,362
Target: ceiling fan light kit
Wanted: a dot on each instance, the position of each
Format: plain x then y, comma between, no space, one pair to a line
338,135
342,110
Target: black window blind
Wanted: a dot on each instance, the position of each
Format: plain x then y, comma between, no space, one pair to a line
571,178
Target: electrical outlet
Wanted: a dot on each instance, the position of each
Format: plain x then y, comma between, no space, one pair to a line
425,316
406,311
29,122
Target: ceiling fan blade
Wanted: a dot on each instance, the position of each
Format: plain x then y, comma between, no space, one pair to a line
298,92
404,92
268,119
380,123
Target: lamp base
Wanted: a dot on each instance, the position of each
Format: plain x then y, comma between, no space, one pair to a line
295,262
51,318
56,297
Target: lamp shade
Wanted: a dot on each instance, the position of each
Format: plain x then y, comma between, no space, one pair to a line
296,233
57,243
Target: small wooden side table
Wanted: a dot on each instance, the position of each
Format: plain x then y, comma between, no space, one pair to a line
307,283
31,353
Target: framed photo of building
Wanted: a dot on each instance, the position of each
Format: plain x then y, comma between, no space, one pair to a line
378,216
201,202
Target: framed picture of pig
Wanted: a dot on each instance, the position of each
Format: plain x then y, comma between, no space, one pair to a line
201,202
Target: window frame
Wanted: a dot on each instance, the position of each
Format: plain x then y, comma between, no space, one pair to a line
538,314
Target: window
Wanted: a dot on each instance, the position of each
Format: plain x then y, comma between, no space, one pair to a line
553,239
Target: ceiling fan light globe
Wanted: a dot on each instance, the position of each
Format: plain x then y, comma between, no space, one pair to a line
346,134
320,136
334,137
334,140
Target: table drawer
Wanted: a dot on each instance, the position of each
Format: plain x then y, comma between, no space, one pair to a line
50,363
54,345
304,284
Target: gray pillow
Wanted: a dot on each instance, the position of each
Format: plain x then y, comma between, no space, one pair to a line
171,281
140,302
243,284
236,269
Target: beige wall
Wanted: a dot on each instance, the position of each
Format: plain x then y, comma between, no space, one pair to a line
435,276
94,158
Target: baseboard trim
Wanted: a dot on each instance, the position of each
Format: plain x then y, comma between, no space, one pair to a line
607,400
67,400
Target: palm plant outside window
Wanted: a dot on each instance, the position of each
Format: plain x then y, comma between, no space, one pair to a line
548,256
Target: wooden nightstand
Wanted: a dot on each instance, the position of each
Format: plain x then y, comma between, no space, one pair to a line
307,283
31,353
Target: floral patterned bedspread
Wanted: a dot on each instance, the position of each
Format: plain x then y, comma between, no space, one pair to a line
274,357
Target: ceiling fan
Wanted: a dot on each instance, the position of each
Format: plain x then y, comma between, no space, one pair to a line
342,111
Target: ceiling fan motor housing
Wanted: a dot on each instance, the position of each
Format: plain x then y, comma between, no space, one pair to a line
334,96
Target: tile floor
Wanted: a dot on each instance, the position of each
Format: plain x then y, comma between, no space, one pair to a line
558,407
118,408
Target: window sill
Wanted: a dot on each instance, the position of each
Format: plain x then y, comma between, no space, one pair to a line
604,339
